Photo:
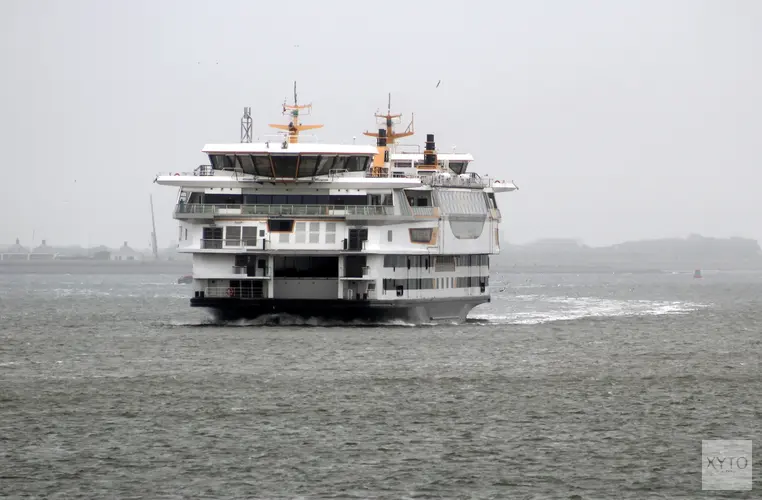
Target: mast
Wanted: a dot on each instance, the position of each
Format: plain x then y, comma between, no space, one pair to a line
386,137
294,126
153,234
246,125
389,120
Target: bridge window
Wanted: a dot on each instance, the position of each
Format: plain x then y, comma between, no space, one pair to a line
308,166
284,165
325,164
357,163
289,165
262,166
458,167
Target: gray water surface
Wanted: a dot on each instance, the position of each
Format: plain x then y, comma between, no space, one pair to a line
597,385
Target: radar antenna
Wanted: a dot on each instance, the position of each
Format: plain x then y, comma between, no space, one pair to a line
294,126
389,120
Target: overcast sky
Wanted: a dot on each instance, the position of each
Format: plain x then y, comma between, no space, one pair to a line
617,119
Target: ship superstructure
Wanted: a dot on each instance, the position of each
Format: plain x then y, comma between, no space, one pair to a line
332,230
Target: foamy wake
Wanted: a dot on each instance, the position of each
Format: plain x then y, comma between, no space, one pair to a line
551,309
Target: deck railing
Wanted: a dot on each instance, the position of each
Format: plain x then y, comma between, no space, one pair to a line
236,292
217,244
425,210
306,210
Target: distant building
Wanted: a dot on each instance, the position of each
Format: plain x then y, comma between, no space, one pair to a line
17,248
126,253
43,252
16,252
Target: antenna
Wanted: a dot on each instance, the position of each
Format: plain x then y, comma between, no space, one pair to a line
389,120
246,125
153,234
294,126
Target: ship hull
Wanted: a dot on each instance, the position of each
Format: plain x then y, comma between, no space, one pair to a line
415,311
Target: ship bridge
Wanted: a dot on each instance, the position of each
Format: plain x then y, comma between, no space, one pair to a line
278,160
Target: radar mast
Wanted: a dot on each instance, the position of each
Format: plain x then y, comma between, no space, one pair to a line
294,126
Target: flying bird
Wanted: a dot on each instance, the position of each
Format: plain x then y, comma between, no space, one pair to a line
440,81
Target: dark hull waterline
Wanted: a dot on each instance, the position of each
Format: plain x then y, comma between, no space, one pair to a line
416,311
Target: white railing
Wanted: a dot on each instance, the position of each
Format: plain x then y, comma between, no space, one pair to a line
218,244
425,211
218,292
307,210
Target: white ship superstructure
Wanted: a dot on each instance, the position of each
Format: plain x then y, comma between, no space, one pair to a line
330,230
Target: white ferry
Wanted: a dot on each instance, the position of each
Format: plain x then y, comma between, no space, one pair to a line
337,231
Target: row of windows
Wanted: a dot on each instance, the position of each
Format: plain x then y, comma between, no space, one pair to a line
436,283
291,199
289,165
456,166
442,263
313,235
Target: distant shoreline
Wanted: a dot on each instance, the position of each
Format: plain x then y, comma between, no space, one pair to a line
65,266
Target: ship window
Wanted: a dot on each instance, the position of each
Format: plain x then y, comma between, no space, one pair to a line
314,232
246,163
458,167
307,166
444,263
389,235
325,165
301,232
403,164
233,235
330,232
262,166
421,235
280,225
230,162
279,199
357,163
221,162
249,235
340,163
285,165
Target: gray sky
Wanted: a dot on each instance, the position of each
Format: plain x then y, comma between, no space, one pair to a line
618,120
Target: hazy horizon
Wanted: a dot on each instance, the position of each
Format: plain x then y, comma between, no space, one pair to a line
618,121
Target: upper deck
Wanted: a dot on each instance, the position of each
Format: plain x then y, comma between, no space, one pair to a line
284,160
288,163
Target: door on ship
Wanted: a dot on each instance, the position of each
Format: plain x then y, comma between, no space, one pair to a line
356,238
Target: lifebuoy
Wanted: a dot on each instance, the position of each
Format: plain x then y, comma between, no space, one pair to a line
177,173
231,292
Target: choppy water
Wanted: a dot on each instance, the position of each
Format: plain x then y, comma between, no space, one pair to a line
600,386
